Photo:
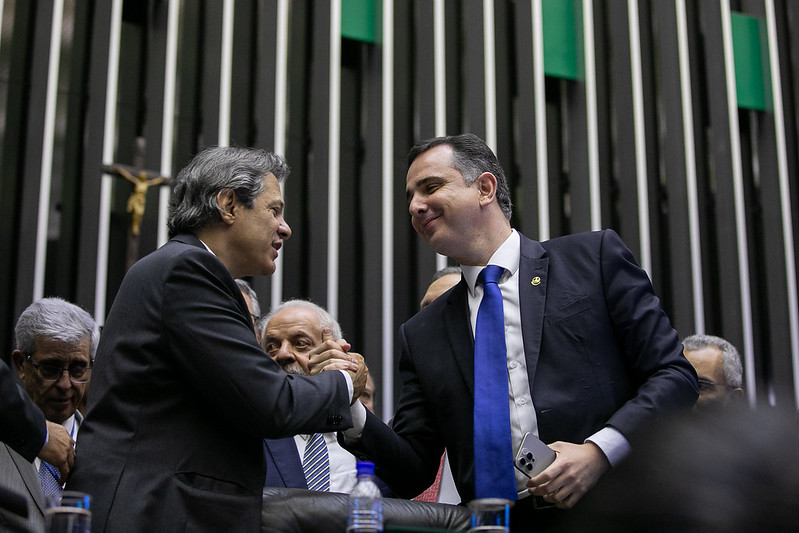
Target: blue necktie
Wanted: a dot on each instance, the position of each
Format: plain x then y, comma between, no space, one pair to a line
47,476
493,451
315,463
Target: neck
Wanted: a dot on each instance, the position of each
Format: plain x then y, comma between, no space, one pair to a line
214,239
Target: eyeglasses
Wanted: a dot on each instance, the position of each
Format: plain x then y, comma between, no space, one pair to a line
78,373
707,385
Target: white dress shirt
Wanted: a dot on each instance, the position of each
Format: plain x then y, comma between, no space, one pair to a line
522,412
342,462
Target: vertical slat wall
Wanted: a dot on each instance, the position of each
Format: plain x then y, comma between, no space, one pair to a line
650,134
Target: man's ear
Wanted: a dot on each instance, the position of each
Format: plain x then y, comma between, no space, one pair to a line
19,361
227,201
487,186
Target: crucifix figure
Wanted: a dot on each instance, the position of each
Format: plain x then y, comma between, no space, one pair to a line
142,180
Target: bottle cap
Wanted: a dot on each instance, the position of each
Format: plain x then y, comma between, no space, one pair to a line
365,467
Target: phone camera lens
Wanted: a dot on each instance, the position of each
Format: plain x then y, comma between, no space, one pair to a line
529,456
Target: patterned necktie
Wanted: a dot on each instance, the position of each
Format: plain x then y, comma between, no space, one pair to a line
493,451
315,464
431,493
50,484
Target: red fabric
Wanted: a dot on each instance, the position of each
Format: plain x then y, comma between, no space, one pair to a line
431,493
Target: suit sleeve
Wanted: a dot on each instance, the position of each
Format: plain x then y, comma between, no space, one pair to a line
406,454
22,424
649,344
212,345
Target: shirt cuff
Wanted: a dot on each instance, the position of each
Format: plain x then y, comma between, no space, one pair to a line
350,387
358,413
613,444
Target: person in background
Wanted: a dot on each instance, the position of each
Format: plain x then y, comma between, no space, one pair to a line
55,347
292,334
182,395
588,357
368,395
251,299
719,370
443,280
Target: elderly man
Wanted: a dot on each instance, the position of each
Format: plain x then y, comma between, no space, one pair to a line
292,335
182,395
55,346
718,365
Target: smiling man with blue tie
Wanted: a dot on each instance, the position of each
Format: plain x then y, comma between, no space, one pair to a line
588,356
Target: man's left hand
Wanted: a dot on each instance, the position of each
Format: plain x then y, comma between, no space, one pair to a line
575,470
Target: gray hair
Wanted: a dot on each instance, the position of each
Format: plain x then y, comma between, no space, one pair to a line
730,358
471,156
326,320
446,271
247,289
58,320
193,204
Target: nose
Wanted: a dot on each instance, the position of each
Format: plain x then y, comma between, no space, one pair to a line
284,230
284,355
63,381
415,205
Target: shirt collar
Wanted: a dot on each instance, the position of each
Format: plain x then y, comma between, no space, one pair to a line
507,256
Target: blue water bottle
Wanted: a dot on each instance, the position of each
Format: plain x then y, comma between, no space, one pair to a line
366,503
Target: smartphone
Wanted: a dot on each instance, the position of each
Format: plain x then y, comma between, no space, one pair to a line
533,456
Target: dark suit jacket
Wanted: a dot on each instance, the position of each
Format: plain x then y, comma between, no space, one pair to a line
22,424
284,466
599,350
181,399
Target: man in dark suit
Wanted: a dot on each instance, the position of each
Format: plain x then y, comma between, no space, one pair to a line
182,394
591,357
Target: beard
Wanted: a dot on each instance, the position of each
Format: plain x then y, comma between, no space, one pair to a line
294,368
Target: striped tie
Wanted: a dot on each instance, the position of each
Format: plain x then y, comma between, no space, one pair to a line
315,464
47,475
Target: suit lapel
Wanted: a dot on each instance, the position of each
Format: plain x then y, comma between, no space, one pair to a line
31,478
533,269
459,335
287,462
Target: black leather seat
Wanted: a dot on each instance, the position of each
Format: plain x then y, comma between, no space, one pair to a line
303,511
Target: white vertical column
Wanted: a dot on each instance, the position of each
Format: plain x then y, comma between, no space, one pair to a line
281,109
697,285
539,97
109,140
640,135
440,76
333,162
168,120
48,141
490,74
226,72
740,209
785,192
592,133
388,209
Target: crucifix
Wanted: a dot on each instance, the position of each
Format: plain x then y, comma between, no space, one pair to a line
142,180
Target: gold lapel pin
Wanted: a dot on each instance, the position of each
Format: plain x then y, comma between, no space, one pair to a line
536,281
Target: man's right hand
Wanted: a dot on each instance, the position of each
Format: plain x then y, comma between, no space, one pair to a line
334,354
59,450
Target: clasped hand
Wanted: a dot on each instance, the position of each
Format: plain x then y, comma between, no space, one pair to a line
334,354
